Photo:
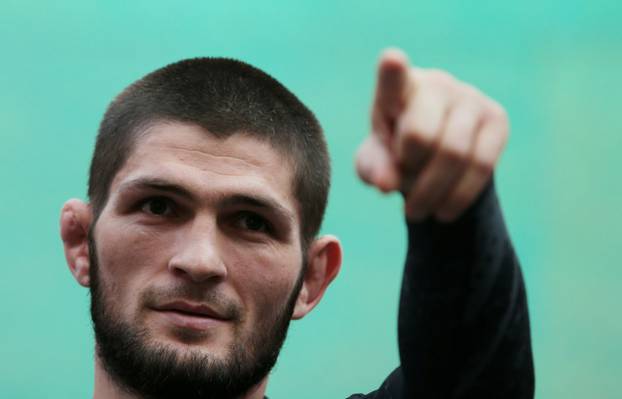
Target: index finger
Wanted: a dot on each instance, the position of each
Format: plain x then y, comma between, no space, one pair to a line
392,86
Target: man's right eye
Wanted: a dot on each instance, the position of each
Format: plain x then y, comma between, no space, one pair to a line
158,206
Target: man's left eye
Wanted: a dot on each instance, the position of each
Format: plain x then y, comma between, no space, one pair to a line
253,222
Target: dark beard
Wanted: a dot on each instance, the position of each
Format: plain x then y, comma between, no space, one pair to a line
156,371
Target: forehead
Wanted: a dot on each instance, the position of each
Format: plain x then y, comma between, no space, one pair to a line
187,154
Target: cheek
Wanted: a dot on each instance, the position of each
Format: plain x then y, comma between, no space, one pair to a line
264,279
129,258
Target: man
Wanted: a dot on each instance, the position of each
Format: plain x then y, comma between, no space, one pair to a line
207,189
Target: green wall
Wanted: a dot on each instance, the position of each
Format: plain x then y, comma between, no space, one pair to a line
555,64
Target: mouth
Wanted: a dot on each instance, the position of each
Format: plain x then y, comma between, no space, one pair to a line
191,316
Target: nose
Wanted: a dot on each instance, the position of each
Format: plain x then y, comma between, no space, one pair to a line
198,256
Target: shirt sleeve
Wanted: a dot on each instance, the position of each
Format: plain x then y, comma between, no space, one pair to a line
463,324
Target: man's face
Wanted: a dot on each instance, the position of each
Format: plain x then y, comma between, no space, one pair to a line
196,259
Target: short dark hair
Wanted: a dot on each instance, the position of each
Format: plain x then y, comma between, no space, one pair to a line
224,97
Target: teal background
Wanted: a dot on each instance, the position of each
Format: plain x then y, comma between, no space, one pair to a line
555,65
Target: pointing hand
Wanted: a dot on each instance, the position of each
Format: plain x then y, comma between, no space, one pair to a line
434,138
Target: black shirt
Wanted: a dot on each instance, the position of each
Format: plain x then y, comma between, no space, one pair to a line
463,323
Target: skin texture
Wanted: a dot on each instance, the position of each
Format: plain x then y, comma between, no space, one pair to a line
181,224
434,138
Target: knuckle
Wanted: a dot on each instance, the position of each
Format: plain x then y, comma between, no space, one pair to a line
419,135
440,77
501,128
459,202
484,167
470,92
497,113
455,154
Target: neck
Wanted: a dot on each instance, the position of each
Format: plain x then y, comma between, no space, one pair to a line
107,388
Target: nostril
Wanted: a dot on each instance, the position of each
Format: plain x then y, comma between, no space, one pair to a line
198,271
178,272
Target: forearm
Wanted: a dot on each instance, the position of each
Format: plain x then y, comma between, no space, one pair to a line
463,324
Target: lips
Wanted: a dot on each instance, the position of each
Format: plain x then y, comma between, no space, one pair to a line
190,315
190,309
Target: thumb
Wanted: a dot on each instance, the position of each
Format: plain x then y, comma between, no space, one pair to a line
375,165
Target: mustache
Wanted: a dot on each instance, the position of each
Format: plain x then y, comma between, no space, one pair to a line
154,297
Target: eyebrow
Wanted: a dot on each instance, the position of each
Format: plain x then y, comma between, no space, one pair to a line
253,200
259,202
154,183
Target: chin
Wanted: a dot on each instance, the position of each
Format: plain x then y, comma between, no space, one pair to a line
210,342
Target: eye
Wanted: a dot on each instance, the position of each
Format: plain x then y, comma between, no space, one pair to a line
253,222
158,206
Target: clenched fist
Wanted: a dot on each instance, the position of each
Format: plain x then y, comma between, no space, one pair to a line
434,138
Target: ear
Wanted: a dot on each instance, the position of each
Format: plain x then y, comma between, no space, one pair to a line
75,221
323,264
